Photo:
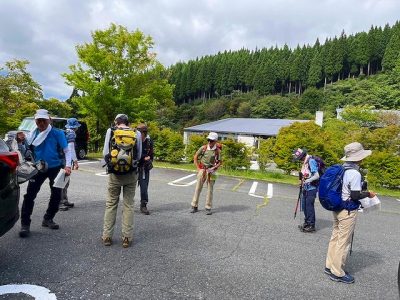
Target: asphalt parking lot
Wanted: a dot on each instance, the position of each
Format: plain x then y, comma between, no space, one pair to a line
239,252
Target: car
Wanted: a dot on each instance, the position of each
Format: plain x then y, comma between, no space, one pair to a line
9,188
82,134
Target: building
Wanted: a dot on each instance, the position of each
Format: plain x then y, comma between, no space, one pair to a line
244,130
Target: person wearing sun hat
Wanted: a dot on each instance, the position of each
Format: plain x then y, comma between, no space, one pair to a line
45,142
207,160
344,221
70,133
309,180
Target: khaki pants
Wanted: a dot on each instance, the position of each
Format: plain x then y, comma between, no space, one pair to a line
201,178
339,245
115,183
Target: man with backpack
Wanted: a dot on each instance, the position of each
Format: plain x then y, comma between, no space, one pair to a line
145,165
46,143
207,160
308,176
122,151
350,191
70,134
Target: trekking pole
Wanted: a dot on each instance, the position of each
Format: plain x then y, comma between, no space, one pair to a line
351,245
298,201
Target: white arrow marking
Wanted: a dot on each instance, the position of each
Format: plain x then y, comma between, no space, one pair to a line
175,182
252,191
39,292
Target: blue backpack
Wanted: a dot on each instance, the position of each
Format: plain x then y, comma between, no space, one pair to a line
330,190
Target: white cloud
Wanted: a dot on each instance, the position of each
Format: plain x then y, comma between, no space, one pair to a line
46,32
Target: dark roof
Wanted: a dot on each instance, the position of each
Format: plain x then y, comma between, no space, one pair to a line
265,127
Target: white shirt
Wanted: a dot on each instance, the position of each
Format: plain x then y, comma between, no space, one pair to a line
351,182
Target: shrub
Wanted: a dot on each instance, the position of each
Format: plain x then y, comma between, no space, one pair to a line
235,155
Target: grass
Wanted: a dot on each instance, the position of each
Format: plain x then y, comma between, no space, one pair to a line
249,174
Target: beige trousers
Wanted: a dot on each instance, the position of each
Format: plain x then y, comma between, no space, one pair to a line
201,178
128,185
339,245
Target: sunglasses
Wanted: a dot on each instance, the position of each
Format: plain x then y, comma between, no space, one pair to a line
210,141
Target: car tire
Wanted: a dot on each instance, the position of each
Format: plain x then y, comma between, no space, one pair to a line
81,154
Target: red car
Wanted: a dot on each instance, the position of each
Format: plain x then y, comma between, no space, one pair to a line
9,188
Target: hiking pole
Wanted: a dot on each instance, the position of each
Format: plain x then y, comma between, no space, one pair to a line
298,201
351,245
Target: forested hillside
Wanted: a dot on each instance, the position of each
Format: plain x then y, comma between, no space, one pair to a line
285,71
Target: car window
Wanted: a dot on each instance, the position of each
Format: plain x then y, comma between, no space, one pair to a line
27,124
3,146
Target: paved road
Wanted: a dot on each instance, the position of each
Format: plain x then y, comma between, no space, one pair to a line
237,253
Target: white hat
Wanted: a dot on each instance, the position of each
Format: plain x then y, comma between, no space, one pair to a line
212,136
355,152
42,114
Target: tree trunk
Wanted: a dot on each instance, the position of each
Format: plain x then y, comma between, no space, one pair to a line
325,84
96,143
369,67
290,86
361,70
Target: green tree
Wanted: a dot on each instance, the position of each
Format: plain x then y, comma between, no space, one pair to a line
117,73
18,94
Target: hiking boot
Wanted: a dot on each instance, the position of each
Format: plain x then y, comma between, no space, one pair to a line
347,278
208,211
50,223
62,208
327,271
107,241
25,231
68,204
143,210
194,210
309,228
126,242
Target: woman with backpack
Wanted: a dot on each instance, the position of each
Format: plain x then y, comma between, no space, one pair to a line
308,175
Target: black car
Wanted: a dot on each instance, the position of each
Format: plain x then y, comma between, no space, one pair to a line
9,188
82,134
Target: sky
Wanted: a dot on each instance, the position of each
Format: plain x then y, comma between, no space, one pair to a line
46,32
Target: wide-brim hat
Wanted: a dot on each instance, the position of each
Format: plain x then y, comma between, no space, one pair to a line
72,123
42,114
355,152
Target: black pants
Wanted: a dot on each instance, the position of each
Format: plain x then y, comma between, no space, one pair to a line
308,206
144,177
33,188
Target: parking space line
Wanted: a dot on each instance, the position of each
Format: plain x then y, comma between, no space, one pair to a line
176,181
253,190
85,162
102,174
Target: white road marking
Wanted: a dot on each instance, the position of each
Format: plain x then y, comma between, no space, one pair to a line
175,182
38,292
398,200
102,174
252,191
85,162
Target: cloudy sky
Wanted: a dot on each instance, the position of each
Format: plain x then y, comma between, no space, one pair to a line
45,32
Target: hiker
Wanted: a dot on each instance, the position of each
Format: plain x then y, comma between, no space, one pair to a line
207,160
145,165
122,150
70,134
308,177
45,143
344,220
